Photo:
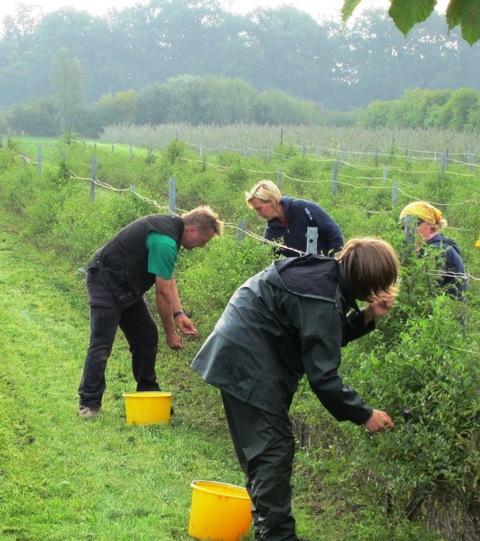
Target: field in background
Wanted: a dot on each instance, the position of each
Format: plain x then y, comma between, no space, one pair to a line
257,139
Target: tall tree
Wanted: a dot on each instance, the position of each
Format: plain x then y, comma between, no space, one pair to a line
86,38
20,76
67,89
150,43
294,53
377,63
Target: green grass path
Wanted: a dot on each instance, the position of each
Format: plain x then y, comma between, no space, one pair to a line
63,478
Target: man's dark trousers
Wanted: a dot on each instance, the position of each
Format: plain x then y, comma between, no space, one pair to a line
140,330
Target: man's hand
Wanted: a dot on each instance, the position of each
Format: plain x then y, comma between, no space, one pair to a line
174,341
379,422
185,325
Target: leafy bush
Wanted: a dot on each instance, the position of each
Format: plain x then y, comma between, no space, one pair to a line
429,382
208,278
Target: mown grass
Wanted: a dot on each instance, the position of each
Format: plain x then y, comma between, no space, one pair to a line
49,147
64,478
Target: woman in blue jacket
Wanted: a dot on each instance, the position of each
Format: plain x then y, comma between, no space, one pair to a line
288,220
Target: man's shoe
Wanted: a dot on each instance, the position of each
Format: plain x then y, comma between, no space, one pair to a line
87,412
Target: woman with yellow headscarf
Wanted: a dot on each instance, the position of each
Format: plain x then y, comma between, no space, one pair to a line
423,221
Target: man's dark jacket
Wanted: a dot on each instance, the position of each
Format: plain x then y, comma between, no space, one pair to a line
122,263
286,321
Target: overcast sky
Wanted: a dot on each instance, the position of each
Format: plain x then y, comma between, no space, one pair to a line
323,8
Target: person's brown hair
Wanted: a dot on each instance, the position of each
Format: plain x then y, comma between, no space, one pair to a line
204,218
371,266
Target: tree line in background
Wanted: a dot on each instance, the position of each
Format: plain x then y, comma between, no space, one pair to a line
286,49
196,101
458,110
189,99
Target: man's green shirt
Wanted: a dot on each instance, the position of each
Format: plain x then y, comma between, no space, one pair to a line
162,255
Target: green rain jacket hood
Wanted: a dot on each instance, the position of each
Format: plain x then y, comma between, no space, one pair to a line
288,320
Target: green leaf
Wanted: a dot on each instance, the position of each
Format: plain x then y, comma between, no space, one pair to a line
348,8
454,13
470,22
407,13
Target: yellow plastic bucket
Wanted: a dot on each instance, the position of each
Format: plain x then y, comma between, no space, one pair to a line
148,407
219,511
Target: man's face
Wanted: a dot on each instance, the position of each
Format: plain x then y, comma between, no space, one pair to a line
195,238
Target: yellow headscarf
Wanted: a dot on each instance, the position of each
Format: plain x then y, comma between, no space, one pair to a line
422,210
